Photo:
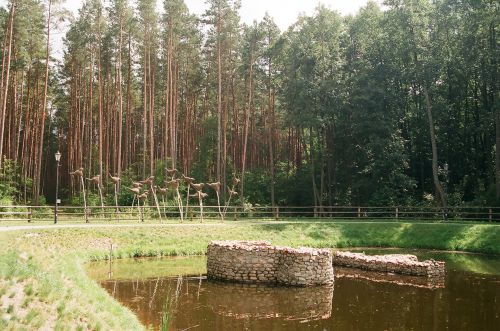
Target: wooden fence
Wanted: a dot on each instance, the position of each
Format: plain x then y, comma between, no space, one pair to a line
145,213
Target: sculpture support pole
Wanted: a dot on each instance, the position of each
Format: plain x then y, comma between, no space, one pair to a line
201,206
229,200
156,201
84,200
100,196
179,201
227,205
164,205
139,207
218,205
187,201
116,198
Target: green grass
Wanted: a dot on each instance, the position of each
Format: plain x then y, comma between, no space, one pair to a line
48,266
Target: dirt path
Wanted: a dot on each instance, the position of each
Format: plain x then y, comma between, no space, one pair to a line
83,226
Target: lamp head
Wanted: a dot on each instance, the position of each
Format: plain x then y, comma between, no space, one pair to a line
58,156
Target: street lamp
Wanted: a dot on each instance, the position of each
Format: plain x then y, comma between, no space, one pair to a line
446,169
58,158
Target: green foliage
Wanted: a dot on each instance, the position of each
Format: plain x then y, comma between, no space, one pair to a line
10,183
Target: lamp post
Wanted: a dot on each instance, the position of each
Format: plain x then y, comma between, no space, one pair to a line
58,158
446,173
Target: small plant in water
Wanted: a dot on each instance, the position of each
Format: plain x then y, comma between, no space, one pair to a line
165,318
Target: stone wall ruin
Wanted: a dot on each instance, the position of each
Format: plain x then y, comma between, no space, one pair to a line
404,264
261,262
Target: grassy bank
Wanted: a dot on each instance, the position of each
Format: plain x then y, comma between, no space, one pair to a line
43,282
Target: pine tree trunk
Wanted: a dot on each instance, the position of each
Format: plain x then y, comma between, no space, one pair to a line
44,108
120,104
5,83
247,120
219,95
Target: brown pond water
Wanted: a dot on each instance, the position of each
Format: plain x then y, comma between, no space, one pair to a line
467,299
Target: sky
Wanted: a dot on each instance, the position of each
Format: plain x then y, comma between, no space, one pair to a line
284,12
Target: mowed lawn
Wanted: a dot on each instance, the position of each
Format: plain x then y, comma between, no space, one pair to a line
43,282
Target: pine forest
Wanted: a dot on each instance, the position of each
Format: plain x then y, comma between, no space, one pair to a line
396,105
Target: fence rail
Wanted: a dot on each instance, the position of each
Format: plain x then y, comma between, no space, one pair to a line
135,213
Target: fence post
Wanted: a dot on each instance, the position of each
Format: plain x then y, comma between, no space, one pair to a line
30,214
234,214
397,213
490,215
359,212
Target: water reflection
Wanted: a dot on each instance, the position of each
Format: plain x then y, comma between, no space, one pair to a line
359,300
397,279
262,302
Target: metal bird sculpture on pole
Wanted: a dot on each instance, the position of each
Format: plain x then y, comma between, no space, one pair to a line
216,187
232,193
188,181
200,195
116,183
97,180
150,181
79,174
174,184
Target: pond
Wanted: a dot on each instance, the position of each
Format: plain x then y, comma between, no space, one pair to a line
467,299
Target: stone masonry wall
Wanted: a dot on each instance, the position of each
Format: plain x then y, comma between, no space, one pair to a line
304,266
395,263
260,262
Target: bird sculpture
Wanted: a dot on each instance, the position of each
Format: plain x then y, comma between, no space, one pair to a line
198,187
137,184
142,197
79,173
164,194
200,195
236,181
171,172
97,180
162,191
147,181
216,187
114,179
136,191
150,181
232,193
116,182
188,181
174,185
